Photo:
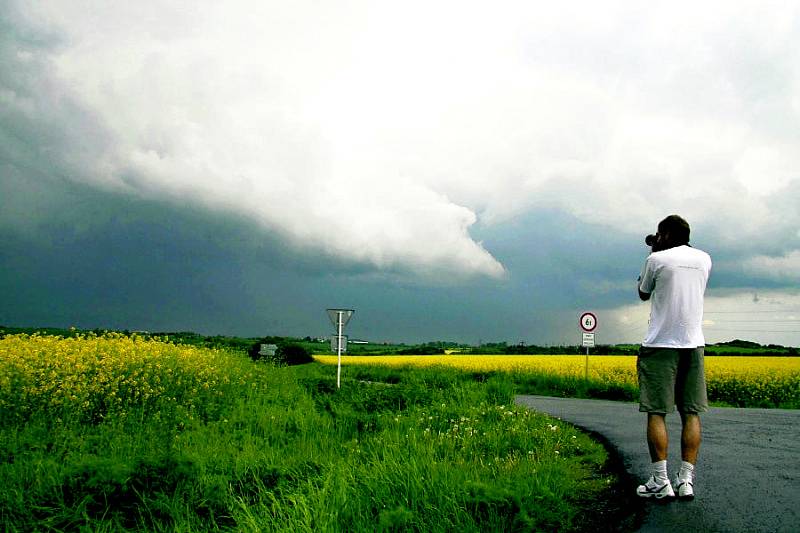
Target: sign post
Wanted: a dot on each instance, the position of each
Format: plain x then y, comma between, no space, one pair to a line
339,317
588,323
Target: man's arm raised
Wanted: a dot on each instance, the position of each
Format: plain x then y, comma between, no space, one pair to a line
644,296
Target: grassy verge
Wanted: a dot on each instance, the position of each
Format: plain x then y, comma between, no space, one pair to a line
283,450
729,392
764,382
572,387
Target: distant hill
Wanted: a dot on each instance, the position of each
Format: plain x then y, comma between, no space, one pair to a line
737,343
748,348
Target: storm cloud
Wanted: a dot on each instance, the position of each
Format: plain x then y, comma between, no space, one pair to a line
506,160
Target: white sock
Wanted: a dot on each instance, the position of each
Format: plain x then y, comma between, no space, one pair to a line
660,471
686,472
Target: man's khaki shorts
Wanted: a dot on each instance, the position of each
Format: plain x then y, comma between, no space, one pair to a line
670,377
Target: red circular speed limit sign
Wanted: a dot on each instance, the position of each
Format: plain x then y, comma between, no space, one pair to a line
588,322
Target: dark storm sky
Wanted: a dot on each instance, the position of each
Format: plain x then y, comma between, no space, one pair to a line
238,168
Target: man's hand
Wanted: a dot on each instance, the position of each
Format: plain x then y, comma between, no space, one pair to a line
644,296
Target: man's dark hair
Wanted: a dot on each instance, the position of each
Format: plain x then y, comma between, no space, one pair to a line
676,227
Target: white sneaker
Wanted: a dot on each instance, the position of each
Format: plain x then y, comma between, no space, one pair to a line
655,489
685,488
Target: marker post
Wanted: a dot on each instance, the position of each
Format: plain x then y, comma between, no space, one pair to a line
339,317
588,323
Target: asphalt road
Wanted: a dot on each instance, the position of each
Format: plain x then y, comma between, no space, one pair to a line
747,474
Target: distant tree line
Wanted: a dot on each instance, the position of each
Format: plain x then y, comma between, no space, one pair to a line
251,345
502,348
733,348
177,337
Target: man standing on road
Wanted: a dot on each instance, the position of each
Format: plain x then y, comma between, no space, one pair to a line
670,362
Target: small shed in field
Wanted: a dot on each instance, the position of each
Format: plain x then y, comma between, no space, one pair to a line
268,350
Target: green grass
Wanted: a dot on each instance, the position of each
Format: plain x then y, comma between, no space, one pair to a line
773,393
392,450
571,387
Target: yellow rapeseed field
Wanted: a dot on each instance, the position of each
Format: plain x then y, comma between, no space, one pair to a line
93,377
615,368
735,380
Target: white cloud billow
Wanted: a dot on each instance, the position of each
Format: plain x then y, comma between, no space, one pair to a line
382,132
783,268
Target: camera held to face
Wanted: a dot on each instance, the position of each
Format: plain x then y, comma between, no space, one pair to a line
657,242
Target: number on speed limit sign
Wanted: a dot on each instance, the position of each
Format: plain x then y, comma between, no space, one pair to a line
588,322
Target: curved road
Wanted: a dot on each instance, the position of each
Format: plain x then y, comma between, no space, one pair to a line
748,471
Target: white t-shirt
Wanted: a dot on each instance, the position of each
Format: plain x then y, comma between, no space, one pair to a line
676,279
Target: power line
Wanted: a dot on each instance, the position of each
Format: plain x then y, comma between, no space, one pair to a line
778,311
753,330
789,321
